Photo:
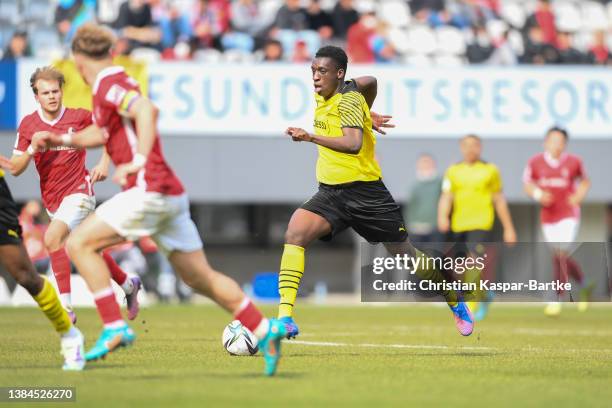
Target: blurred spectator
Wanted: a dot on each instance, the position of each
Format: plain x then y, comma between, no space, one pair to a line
343,17
421,213
319,20
135,22
599,52
300,52
17,47
545,19
425,6
210,20
536,50
71,14
480,48
567,53
33,235
174,25
291,16
503,54
358,39
246,17
382,49
273,51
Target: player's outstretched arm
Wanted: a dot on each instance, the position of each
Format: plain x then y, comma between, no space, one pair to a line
368,87
503,212
350,142
18,163
91,136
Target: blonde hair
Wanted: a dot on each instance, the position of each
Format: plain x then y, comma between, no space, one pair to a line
93,41
48,74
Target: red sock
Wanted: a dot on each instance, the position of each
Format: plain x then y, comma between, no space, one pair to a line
249,315
574,269
560,270
107,305
60,263
116,272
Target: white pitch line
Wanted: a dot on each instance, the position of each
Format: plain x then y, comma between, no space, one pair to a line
441,347
369,345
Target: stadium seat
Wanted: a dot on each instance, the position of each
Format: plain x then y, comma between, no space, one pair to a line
237,56
395,13
144,54
513,13
9,12
268,10
399,40
515,38
417,60
594,16
208,55
450,61
450,41
422,40
567,16
365,6
496,29
39,11
45,42
583,40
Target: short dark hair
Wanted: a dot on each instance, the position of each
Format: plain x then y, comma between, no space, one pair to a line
335,53
560,130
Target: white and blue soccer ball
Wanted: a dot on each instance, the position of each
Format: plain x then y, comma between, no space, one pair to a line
238,340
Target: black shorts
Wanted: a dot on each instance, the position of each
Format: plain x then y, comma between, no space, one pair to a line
10,231
10,234
471,241
367,207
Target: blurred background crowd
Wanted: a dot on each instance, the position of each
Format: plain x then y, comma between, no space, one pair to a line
412,32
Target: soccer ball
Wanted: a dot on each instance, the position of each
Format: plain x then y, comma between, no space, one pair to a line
238,340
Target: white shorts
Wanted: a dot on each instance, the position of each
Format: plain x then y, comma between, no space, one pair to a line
136,213
73,209
564,230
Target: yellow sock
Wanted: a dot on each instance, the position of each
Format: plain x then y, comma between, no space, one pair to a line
49,303
291,271
427,271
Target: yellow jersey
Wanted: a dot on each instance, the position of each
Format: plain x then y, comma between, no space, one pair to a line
472,187
347,108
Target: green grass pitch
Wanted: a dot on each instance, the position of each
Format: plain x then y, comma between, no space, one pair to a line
408,356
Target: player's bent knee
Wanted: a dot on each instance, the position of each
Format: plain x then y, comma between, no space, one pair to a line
52,243
296,237
76,243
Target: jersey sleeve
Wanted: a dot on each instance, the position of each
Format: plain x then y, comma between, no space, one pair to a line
117,97
23,140
351,110
85,120
580,171
528,173
496,180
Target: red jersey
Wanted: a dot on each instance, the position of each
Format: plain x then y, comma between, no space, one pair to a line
113,94
557,177
62,169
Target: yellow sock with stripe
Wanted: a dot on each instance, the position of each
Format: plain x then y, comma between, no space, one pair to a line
49,303
427,271
291,271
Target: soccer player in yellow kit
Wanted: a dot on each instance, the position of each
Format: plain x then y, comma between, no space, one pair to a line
351,192
471,195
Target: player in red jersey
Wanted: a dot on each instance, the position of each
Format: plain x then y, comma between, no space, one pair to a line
153,201
557,180
65,182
